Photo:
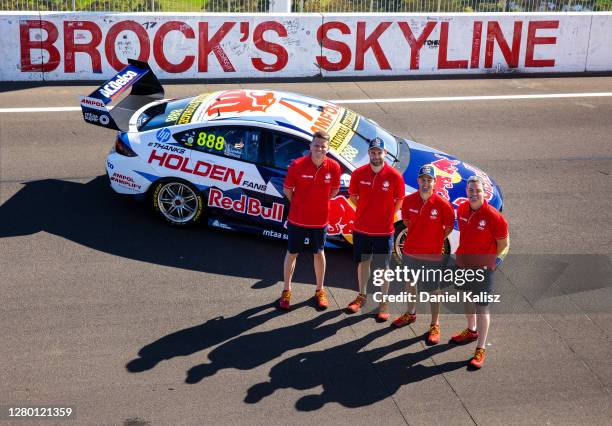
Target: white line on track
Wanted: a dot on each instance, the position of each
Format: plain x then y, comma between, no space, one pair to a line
381,100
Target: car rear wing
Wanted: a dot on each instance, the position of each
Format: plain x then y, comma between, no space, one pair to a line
145,86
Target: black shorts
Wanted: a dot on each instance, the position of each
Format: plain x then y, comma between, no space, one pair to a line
480,286
305,239
364,246
431,274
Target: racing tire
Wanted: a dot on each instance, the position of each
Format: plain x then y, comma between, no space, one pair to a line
177,202
398,243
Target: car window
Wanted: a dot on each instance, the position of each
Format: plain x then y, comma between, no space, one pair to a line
162,115
240,143
286,149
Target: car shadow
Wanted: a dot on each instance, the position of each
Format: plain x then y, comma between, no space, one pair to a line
92,215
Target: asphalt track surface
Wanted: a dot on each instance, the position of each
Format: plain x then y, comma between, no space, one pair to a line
107,309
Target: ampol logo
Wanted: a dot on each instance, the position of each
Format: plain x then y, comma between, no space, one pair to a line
163,135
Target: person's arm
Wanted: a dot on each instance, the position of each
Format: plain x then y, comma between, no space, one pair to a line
353,190
449,219
290,181
398,205
335,182
399,193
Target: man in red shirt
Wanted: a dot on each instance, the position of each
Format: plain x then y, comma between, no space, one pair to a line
483,241
429,219
377,189
310,183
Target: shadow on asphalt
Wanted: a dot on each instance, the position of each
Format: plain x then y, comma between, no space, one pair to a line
91,214
348,374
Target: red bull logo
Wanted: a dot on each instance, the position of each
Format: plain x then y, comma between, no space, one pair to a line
341,217
447,175
237,101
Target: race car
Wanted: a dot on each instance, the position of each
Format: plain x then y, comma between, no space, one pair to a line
224,155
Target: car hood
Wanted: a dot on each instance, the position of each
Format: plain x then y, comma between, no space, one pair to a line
452,175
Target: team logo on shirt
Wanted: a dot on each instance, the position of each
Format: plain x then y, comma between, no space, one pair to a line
482,224
327,177
385,186
434,213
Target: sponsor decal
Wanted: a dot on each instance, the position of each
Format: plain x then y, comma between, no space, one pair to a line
256,186
110,165
190,109
245,205
238,101
91,117
117,84
328,116
342,132
124,181
274,234
163,135
170,148
221,225
197,168
104,119
341,217
447,175
93,103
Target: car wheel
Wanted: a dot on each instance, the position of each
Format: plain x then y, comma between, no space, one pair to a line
399,239
177,202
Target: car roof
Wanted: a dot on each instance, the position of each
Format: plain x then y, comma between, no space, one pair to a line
290,110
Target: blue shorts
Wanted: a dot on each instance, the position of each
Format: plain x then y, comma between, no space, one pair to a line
305,239
364,246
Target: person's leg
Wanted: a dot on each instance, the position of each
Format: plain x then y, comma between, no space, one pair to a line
483,320
363,275
470,315
288,269
319,267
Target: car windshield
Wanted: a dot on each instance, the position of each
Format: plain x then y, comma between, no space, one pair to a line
357,150
161,115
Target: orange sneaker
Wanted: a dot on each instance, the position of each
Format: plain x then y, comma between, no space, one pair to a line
433,337
321,298
285,300
404,320
356,304
466,336
383,312
479,358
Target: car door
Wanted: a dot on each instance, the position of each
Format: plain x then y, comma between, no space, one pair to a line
224,166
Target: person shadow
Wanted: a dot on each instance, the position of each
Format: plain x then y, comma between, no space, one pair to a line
351,376
249,351
195,339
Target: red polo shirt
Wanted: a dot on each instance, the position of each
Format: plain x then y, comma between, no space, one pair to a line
312,187
377,194
479,231
427,221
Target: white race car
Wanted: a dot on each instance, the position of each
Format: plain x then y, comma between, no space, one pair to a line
224,155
